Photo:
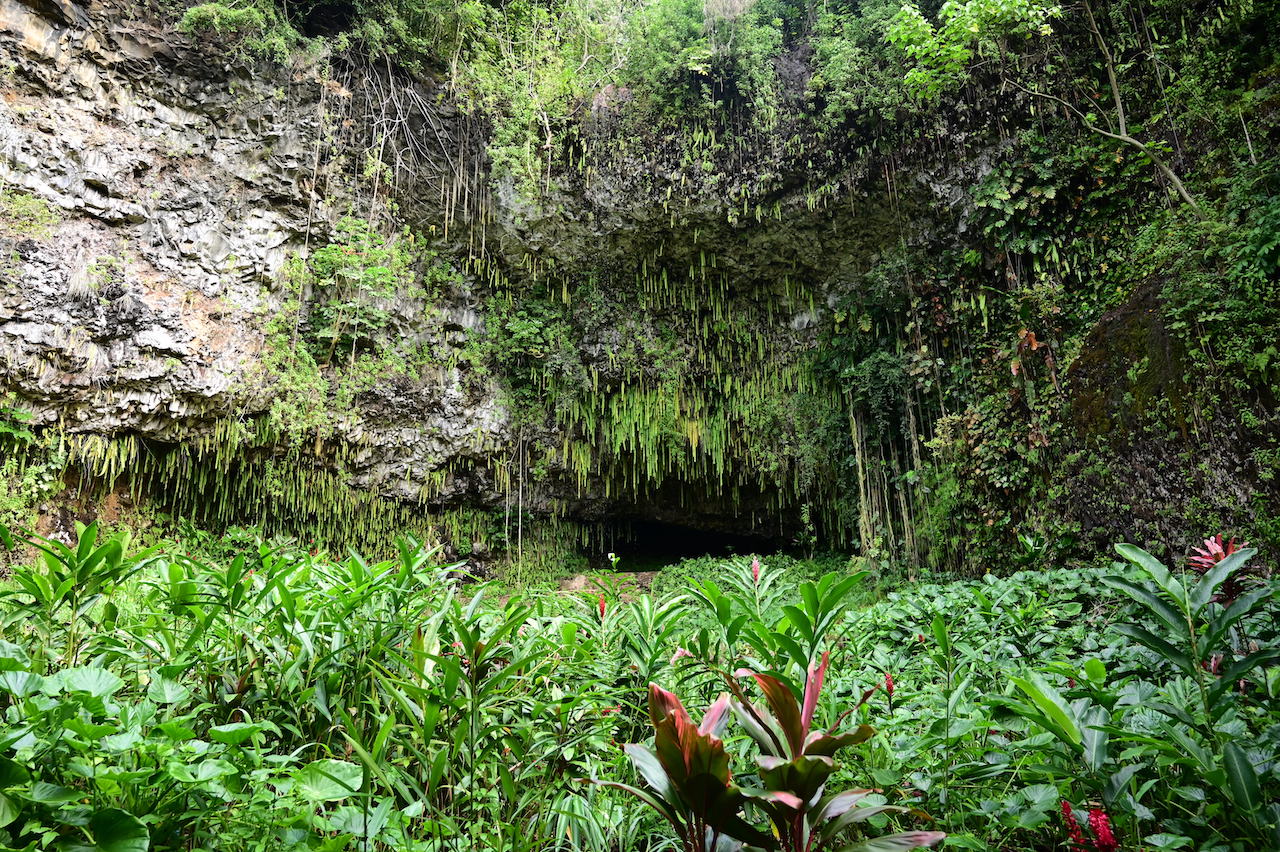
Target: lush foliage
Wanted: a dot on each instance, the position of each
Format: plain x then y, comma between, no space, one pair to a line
1091,288
277,698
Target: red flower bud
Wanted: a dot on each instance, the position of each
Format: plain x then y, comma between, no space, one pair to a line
601,606
888,684
1104,840
1073,828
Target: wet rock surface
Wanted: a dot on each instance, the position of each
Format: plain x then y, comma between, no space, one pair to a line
179,183
183,179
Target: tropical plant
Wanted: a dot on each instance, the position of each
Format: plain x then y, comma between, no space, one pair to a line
688,773
1204,641
59,592
691,784
795,763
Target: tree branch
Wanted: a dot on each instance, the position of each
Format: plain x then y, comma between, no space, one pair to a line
1160,164
1111,69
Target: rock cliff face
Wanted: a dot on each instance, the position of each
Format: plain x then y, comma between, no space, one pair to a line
178,183
720,345
172,187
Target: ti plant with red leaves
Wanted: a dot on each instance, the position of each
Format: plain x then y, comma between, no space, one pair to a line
691,785
688,774
796,760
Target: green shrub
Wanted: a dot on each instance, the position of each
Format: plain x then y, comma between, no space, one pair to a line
690,59
259,27
25,215
357,279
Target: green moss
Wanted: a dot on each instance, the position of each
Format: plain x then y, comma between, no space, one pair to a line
257,27
25,215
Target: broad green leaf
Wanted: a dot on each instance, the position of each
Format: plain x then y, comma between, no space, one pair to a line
1207,586
1119,781
1155,568
99,683
9,810
177,731
1095,738
649,768
1051,704
234,733
88,537
1186,745
12,773
939,628
1041,797
52,794
115,830
854,816
207,770
1228,618
1241,776
1169,841
1096,671
165,691
1173,620
328,780
13,658
1231,675
88,730
21,684
1171,654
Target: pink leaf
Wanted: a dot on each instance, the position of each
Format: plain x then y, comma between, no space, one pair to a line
812,688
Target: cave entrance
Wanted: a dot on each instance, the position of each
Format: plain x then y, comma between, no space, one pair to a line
652,545
325,18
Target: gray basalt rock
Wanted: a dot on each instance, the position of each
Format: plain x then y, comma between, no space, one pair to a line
182,186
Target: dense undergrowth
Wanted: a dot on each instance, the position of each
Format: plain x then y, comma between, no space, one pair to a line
279,698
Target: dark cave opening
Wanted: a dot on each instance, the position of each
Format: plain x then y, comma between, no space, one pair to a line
650,545
325,19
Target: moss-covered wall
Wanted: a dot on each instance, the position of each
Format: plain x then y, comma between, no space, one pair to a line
950,334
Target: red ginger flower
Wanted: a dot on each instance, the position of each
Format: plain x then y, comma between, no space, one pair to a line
755,570
601,606
1213,552
1104,840
888,684
1073,828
